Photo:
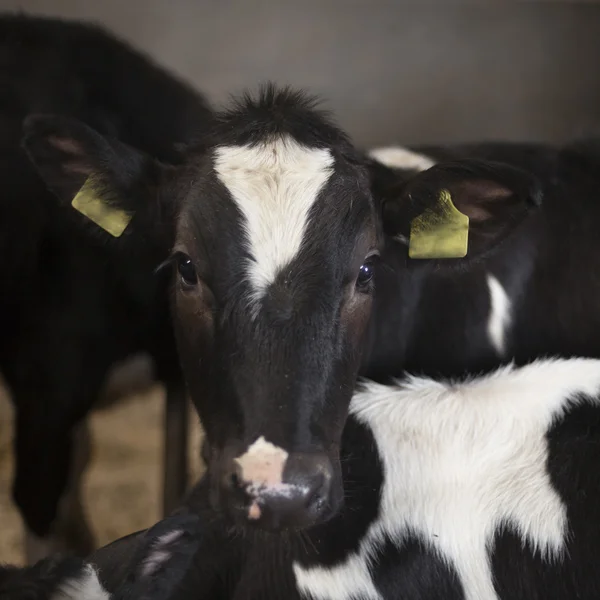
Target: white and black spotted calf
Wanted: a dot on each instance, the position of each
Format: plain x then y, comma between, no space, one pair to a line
291,276
481,490
162,556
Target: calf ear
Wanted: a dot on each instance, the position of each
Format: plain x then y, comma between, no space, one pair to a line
459,209
102,178
164,557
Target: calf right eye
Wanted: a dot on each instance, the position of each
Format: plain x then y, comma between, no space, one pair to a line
187,271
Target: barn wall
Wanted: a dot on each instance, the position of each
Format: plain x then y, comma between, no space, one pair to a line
428,71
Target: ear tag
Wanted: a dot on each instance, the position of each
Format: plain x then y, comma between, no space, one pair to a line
441,232
89,203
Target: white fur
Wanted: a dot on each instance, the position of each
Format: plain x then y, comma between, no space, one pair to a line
87,587
401,158
160,554
262,463
261,471
459,461
274,185
499,318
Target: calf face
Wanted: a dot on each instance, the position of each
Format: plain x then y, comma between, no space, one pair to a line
274,237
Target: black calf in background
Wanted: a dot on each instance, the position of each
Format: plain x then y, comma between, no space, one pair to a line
71,306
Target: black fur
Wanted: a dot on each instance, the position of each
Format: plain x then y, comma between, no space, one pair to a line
160,564
40,581
431,316
169,561
70,305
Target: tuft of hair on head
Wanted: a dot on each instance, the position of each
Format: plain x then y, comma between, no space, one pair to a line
276,111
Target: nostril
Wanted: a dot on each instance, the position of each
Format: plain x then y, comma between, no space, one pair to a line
234,480
316,496
315,500
298,497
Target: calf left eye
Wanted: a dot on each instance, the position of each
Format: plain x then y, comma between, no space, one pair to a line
365,274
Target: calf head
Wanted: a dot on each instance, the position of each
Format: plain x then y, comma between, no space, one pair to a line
272,236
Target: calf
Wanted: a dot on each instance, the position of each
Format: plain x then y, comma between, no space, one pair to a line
163,555
70,305
279,232
531,292
480,490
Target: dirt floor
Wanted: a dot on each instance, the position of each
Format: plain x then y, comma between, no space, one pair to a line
122,491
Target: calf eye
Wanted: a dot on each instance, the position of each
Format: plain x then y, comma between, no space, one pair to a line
187,271
365,274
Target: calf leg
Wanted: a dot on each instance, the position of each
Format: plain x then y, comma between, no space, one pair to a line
50,461
175,465
70,531
51,398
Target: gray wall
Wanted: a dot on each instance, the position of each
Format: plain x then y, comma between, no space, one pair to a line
419,72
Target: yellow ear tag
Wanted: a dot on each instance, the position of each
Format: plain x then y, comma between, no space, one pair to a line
89,203
441,232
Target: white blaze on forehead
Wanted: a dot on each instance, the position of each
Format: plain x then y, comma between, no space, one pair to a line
401,158
274,185
499,318
262,464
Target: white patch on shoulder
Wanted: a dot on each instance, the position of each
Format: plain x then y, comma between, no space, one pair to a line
499,318
461,460
274,185
87,587
401,158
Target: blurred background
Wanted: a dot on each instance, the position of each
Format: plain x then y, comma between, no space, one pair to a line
393,72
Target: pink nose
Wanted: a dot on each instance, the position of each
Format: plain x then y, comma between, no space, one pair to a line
271,489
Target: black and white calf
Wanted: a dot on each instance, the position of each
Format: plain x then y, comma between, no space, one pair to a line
528,291
291,275
70,306
485,489
162,557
